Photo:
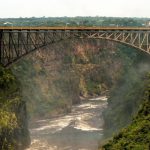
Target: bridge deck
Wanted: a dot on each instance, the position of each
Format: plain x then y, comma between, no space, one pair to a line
75,28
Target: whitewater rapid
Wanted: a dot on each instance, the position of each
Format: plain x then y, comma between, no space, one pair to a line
82,129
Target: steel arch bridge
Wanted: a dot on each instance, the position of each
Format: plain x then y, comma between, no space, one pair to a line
16,42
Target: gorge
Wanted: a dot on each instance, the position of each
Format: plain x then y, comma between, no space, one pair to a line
57,81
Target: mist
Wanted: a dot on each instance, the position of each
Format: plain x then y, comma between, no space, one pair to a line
58,79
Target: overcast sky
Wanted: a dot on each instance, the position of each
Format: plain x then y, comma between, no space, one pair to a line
52,8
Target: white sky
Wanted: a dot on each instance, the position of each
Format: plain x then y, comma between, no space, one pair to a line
52,8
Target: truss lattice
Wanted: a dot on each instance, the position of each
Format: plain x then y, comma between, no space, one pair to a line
16,43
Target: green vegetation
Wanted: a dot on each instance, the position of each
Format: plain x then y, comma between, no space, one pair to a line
137,135
75,21
13,122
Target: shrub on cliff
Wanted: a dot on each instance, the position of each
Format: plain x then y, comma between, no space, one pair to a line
14,133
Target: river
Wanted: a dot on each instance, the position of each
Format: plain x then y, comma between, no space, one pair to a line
82,129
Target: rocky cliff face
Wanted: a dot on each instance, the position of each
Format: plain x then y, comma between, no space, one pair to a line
58,75
14,133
